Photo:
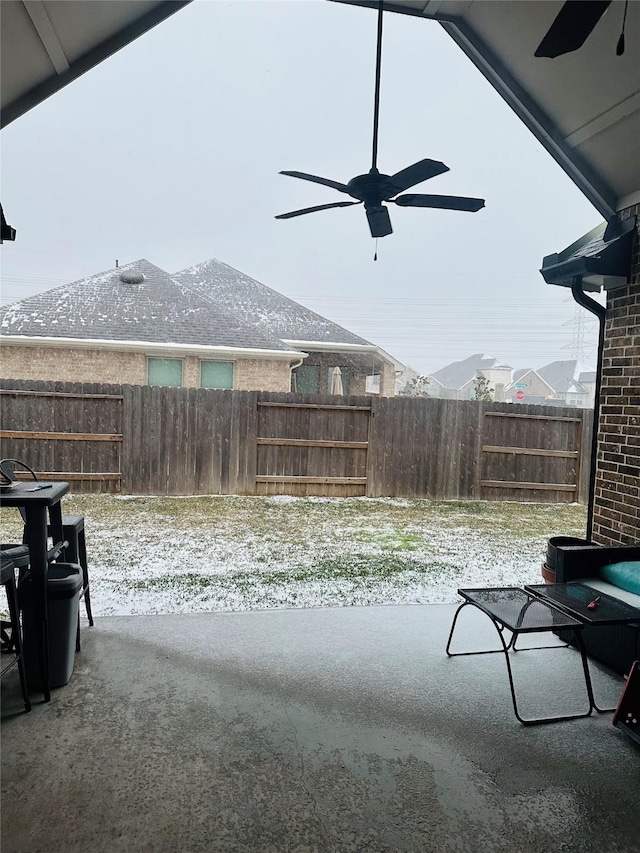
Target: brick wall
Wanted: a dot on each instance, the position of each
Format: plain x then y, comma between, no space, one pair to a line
73,365
261,375
616,518
130,368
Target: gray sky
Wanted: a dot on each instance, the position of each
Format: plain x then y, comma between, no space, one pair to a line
171,149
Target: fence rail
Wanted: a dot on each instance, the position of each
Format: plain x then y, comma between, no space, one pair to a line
149,440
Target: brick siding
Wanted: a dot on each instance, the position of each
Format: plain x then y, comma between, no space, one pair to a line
94,365
261,375
72,365
616,517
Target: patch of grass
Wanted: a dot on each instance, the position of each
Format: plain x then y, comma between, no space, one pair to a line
391,540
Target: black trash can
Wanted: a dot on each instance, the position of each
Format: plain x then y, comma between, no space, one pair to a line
64,585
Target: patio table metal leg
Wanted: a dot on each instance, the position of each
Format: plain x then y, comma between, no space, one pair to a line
587,677
505,649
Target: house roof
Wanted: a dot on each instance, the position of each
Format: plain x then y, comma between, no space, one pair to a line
459,373
257,305
157,309
519,375
563,376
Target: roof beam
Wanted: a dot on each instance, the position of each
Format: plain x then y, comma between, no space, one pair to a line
48,37
616,113
539,123
96,54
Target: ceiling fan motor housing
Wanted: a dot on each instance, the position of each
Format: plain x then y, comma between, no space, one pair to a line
372,188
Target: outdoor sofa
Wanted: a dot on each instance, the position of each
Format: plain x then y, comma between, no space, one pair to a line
614,571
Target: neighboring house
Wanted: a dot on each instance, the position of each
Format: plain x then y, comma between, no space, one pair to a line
209,326
323,344
456,381
560,383
573,382
527,386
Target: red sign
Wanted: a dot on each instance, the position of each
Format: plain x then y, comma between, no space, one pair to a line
519,395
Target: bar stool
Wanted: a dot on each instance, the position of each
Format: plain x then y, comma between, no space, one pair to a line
8,578
76,552
19,556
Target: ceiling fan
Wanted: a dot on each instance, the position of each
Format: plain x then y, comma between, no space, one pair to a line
374,188
573,25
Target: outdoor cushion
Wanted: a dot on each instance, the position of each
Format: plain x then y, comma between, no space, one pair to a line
615,591
624,575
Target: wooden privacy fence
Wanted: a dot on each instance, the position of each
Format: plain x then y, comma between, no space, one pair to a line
189,441
65,432
312,448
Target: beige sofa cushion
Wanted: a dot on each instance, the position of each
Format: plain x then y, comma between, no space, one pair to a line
610,589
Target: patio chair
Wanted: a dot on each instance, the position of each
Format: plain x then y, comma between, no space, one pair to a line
8,579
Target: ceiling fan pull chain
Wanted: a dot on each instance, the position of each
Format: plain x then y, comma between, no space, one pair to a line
375,257
620,45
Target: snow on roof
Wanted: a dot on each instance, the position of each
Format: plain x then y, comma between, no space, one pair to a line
561,375
210,304
260,306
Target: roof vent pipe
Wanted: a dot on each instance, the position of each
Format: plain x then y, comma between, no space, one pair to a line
600,311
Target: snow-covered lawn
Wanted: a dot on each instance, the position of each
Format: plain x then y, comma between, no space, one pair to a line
181,555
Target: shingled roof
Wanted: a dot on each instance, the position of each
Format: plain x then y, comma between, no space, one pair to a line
260,306
459,373
567,376
211,304
135,302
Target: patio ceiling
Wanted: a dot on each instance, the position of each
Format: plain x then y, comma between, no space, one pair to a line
584,107
48,43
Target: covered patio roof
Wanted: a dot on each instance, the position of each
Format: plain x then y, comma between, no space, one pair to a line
47,44
583,106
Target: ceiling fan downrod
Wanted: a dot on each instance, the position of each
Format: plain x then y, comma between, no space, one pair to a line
376,100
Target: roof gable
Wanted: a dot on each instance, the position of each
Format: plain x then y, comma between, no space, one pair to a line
135,302
562,375
260,306
460,373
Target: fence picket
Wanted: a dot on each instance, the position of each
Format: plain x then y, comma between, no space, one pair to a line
197,441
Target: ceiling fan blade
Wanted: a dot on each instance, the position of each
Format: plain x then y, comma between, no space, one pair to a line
447,202
572,27
317,207
343,188
420,171
379,221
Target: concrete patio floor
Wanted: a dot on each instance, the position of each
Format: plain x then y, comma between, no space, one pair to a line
313,730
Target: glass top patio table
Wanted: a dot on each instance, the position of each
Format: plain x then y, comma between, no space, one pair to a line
518,610
574,598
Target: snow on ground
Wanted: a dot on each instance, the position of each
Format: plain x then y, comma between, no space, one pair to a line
183,555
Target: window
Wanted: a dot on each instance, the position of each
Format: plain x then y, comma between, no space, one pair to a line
216,374
372,383
306,379
344,377
164,371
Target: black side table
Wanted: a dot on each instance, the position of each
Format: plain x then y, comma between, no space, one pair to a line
520,612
